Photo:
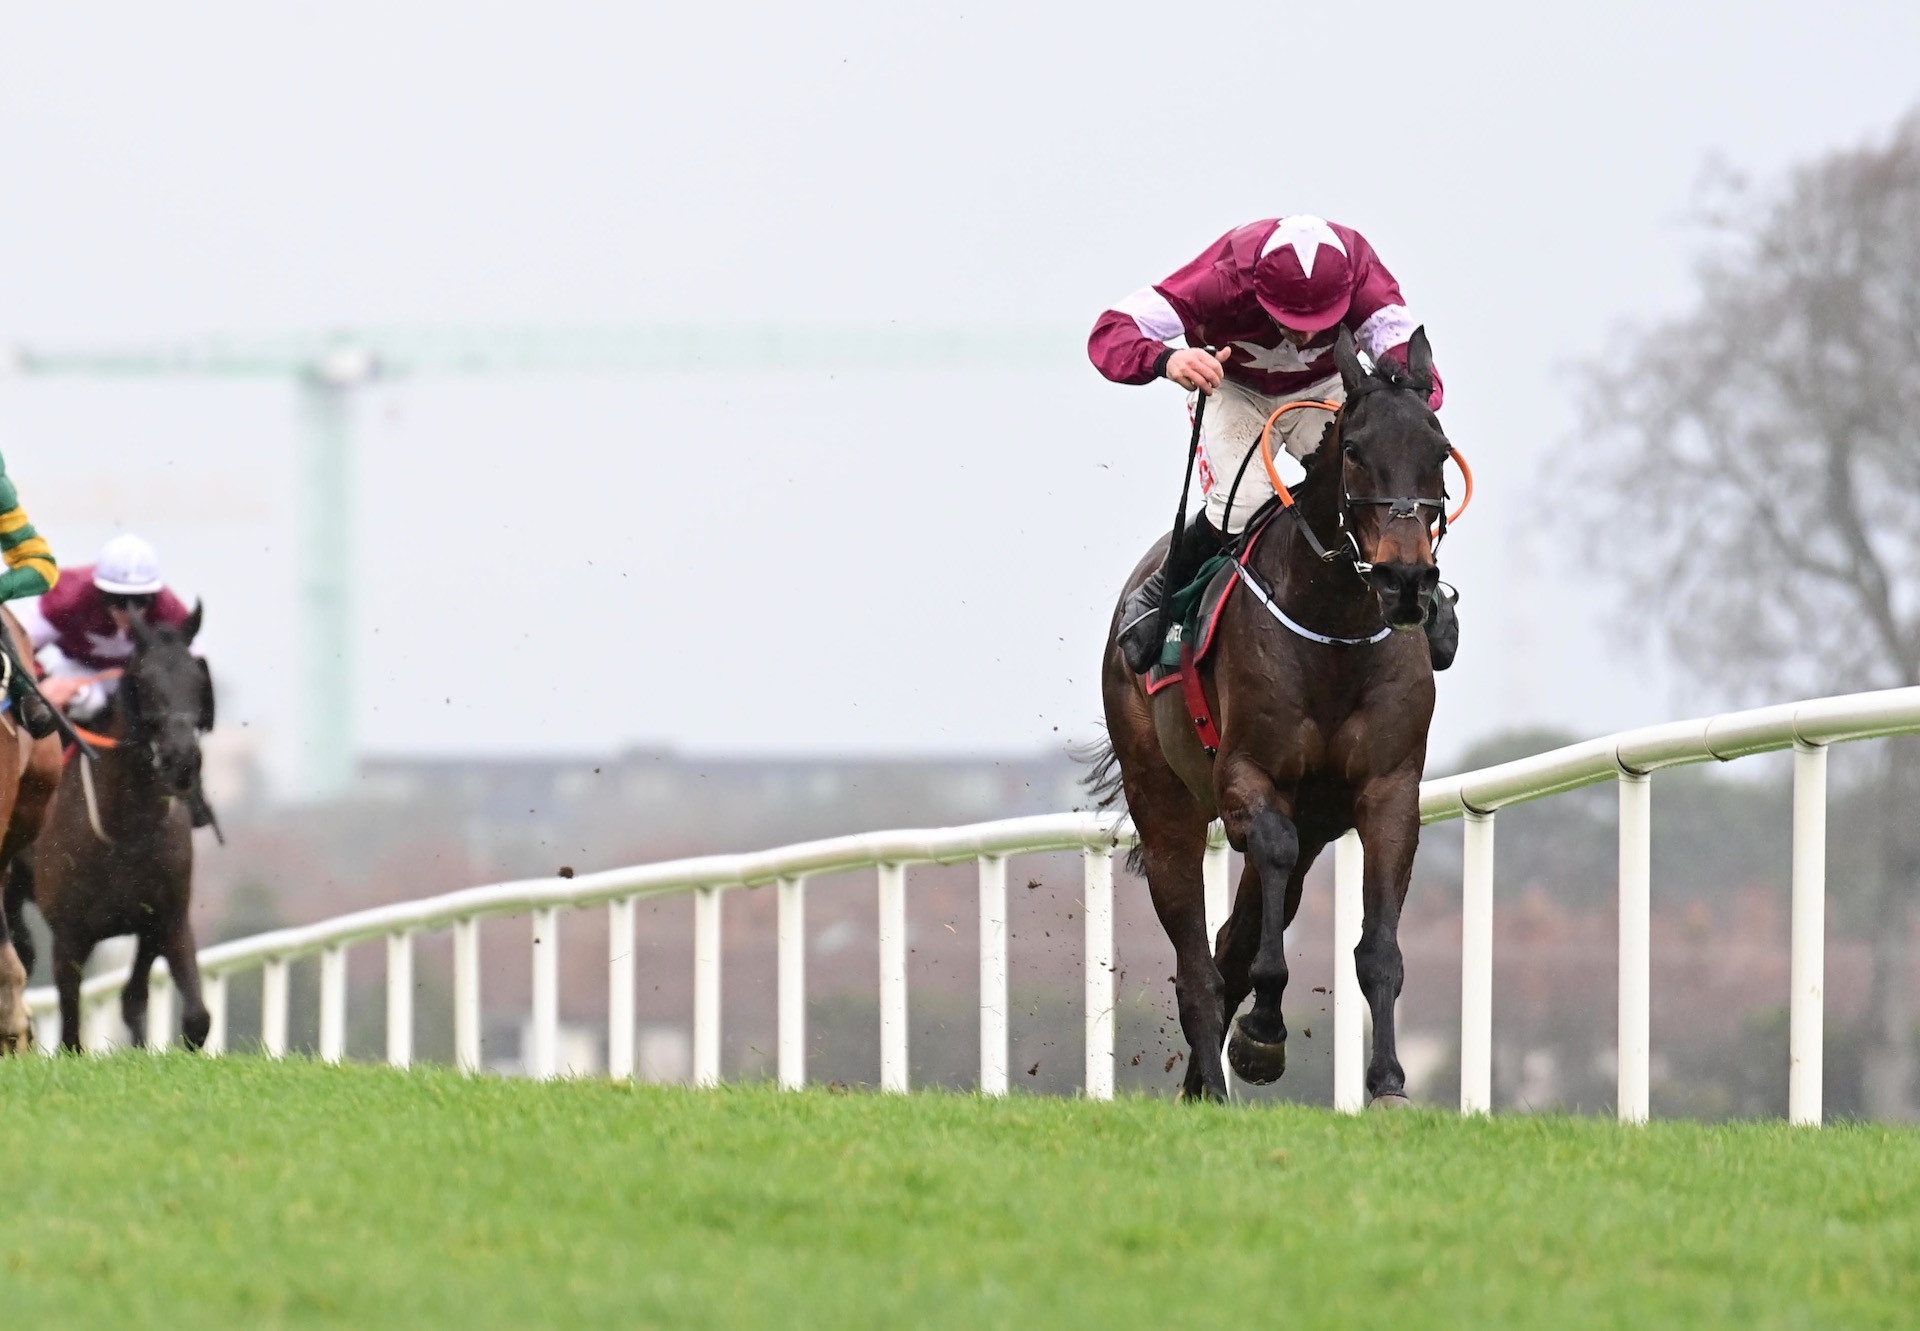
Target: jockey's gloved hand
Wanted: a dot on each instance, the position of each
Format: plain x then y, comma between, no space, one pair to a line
1198,368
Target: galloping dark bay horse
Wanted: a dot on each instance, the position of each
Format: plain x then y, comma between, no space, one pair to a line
116,856
29,771
1316,736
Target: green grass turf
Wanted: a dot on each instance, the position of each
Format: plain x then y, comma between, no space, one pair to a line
175,1191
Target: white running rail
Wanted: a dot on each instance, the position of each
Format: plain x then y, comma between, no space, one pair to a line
1629,759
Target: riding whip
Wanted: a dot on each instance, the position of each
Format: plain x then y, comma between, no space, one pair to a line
1186,482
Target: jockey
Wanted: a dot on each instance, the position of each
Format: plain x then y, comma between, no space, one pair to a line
80,629
30,571
1271,296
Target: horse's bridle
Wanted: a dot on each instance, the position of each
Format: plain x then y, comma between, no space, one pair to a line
1399,507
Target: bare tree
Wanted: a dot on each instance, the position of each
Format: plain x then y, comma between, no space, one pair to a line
1750,472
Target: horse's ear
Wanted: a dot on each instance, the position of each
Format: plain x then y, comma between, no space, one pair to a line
1353,375
206,690
191,628
1420,360
142,632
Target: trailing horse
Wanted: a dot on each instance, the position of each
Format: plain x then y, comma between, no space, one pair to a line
29,771
1321,688
117,853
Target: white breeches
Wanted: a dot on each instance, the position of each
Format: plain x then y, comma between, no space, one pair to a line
90,701
1231,430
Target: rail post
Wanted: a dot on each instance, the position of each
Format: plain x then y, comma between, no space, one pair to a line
333,1004
1097,866
1636,944
993,975
1216,878
893,977
160,1008
400,999
1349,1031
706,986
216,999
1216,881
545,1060
792,982
1476,965
466,994
620,977
273,1007
1807,981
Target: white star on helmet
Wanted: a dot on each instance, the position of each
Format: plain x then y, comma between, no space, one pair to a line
1306,234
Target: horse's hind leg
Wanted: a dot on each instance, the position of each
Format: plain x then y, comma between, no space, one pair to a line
133,998
1173,849
183,960
1174,859
1259,826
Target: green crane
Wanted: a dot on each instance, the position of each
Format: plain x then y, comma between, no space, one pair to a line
326,370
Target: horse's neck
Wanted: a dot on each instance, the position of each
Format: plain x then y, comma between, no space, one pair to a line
1327,595
126,786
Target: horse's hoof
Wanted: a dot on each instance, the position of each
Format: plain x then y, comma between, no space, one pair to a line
1203,1095
1390,1102
1255,1061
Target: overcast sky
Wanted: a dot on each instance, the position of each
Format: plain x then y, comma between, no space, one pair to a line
747,558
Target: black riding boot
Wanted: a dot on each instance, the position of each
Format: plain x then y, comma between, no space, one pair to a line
1443,626
1142,617
36,717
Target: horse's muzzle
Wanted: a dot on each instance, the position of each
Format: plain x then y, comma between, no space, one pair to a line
1405,591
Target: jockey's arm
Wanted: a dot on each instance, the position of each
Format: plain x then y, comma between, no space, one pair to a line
1381,322
1129,341
32,615
30,570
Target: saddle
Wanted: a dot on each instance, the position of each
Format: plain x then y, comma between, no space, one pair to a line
1195,612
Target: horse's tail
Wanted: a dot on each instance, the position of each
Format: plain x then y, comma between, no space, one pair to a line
1102,781
1102,778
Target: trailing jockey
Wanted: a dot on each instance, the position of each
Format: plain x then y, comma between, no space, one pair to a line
80,629
82,635
1271,297
30,571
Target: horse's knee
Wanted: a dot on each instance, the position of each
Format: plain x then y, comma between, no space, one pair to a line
1273,843
1377,964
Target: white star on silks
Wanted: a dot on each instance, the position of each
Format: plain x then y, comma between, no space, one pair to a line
111,646
1306,233
1284,358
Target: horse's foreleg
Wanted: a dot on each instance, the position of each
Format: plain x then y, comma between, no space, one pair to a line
1239,939
16,891
1259,823
1387,816
133,998
69,967
184,961
16,1028
1240,935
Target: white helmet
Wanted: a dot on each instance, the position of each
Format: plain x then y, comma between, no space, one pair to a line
128,566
